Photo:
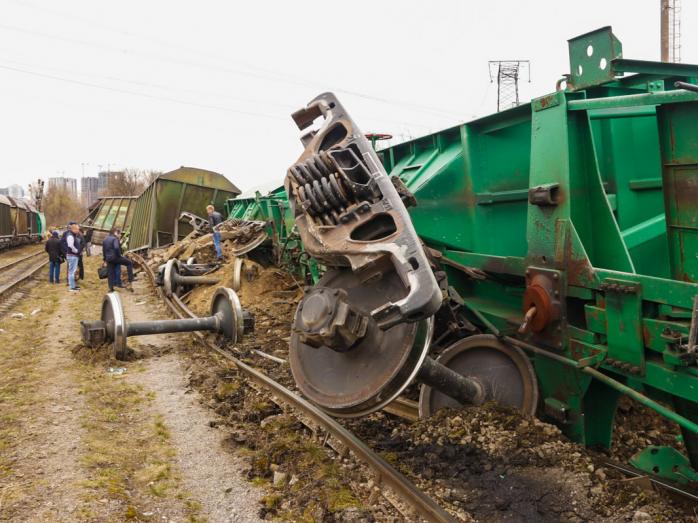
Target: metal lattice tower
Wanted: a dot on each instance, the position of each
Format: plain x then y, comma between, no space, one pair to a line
507,73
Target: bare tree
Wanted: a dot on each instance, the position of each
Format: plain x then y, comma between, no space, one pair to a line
60,207
129,182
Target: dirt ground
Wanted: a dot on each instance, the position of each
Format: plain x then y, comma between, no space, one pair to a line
482,464
86,438
177,434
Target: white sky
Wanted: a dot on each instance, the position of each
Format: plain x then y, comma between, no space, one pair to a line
158,84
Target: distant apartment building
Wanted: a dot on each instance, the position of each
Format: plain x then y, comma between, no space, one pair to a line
89,189
61,182
14,191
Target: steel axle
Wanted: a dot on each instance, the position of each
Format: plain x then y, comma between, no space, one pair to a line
465,389
227,318
173,281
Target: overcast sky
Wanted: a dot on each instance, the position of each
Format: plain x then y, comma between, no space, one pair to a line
157,84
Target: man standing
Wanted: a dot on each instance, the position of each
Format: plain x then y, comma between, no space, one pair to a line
55,256
88,241
111,251
73,252
214,220
81,267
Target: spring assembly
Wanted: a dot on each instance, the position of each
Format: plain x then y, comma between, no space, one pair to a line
323,191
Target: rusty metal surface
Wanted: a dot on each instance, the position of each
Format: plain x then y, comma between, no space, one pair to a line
504,371
376,370
349,213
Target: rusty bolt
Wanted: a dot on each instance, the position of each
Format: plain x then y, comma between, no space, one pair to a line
610,361
556,276
635,370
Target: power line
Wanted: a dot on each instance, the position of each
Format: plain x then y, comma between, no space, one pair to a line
144,95
169,99
291,79
153,85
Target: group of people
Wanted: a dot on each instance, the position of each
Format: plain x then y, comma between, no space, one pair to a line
68,246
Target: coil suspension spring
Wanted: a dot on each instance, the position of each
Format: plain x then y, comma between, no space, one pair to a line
322,190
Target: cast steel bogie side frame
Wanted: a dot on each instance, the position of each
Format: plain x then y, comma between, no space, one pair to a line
350,214
582,209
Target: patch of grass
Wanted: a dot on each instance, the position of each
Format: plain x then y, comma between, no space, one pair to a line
320,480
128,452
20,382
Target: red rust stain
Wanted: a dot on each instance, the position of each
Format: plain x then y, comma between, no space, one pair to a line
579,272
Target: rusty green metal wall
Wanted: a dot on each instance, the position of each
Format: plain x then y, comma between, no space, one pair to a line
155,217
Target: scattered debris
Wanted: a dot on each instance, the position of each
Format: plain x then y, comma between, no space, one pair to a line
35,312
116,371
17,315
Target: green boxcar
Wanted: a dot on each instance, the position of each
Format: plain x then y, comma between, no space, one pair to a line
583,202
151,220
594,192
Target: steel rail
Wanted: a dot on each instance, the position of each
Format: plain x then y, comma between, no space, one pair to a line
664,484
403,487
20,260
6,287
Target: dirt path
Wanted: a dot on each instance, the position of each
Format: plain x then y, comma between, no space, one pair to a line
80,442
212,476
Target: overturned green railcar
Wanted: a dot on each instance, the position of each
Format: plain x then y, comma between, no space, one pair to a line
152,219
568,229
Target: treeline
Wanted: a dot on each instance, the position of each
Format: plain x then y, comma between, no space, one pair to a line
61,206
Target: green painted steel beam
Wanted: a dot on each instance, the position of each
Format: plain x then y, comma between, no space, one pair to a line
633,100
644,231
625,65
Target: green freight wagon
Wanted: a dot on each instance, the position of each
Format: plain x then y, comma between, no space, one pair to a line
151,220
581,208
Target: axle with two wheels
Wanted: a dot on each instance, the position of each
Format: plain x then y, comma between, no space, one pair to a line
174,282
350,366
227,318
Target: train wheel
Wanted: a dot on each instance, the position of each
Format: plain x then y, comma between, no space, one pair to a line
113,317
372,374
505,371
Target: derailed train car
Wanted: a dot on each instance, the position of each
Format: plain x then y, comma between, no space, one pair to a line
152,219
20,223
560,236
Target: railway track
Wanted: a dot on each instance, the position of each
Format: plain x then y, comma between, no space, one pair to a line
426,507
16,272
402,407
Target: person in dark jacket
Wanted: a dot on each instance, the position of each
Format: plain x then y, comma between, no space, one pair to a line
55,257
214,220
81,267
111,252
88,241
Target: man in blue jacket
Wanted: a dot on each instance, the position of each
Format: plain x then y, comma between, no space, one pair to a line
111,251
